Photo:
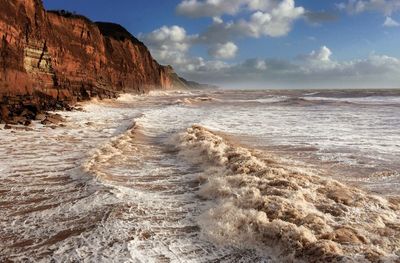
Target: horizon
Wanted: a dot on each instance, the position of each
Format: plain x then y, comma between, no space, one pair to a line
264,44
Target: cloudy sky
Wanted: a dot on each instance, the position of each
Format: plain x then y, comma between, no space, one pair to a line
264,43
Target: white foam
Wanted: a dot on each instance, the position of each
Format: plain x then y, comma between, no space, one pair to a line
371,100
290,215
134,196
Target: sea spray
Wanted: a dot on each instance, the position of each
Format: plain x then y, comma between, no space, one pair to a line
295,215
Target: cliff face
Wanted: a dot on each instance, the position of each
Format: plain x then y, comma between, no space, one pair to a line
48,58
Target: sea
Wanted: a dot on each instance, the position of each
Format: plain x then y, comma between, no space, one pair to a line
207,176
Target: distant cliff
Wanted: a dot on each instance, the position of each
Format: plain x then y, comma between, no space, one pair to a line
51,58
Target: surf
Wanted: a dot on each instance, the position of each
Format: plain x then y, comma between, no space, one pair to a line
288,214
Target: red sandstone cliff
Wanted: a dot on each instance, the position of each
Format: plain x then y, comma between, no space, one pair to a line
52,57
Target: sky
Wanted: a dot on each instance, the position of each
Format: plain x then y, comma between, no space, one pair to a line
263,43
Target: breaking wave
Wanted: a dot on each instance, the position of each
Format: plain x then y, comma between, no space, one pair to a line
330,101
194,100
115,149
299,101
288,213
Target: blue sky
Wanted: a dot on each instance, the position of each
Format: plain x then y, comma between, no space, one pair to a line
264,43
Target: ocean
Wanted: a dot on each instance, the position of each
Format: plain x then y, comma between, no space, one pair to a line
207,176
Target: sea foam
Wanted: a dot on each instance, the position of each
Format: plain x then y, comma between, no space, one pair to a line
289,214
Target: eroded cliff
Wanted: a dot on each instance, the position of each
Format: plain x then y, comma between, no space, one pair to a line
50,59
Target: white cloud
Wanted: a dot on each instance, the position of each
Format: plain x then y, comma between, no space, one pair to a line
390,22
322,55
262,4
216,8
358,6
260,65
217,20
170,45
223,51
209,8
168,38
275,23
317,69
318,59
267,17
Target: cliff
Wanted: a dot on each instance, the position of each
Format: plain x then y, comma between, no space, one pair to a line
51,59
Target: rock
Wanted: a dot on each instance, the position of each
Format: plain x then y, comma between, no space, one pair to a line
52,119
17,120
55,118
4,113
7,127
40,117
45,122
27,123
44,68
28,114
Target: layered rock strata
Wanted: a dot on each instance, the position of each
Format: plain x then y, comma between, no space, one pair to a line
52,59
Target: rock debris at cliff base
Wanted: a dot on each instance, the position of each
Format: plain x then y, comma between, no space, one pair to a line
53,57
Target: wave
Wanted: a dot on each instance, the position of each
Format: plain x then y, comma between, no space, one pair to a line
128,97
288,213
384,174
302,101
156,93
131,97
369,100
194,100
115,149
268,100
329,101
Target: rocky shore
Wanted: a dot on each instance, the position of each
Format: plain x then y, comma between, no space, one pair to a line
49,60
30,114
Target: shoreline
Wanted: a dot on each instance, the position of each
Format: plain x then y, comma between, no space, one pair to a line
195,187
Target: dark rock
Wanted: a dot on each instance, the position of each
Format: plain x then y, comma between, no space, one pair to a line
52,119
55,118
40,117
46,122
17,120
4,113
28,114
